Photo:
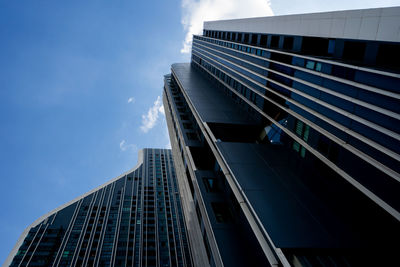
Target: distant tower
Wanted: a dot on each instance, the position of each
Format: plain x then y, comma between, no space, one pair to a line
285,131
133,220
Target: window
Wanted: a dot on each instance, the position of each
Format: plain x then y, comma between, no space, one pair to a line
211,184
302,130
354,51
388,55
184,117
221,212
263,40
275,41
254,38
343,72
317,66
315,46
310,64
246,38
252,97
288,43
298,61
331,46
239,39
265,54
192,136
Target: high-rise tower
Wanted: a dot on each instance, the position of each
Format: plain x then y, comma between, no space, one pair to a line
286,131
134,220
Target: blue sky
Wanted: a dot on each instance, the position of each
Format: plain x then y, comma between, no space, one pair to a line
79,91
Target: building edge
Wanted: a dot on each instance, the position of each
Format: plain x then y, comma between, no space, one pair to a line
197,249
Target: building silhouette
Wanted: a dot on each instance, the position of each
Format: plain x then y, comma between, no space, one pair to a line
134,220
285,131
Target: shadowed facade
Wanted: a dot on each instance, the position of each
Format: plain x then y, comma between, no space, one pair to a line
286,131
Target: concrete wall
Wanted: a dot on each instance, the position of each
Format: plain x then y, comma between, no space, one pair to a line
379,24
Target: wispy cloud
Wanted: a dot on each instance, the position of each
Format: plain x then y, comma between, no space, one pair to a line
124,146
195,12
149,120
131,100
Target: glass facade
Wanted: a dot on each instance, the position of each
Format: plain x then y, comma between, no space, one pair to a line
362,121
296,145
135,220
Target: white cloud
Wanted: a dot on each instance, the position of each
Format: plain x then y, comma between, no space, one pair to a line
195,12
131,100
149,120
124,146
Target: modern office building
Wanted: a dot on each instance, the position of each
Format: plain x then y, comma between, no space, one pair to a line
134,220
286,133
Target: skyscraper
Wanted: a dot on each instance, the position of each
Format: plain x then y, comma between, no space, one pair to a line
134,220
285,131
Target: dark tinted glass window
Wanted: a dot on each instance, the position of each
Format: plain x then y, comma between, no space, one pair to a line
210,184
389,56
221,212
275,41
354,51
288,43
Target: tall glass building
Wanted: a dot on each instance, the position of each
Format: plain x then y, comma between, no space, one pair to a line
134,220
286,133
